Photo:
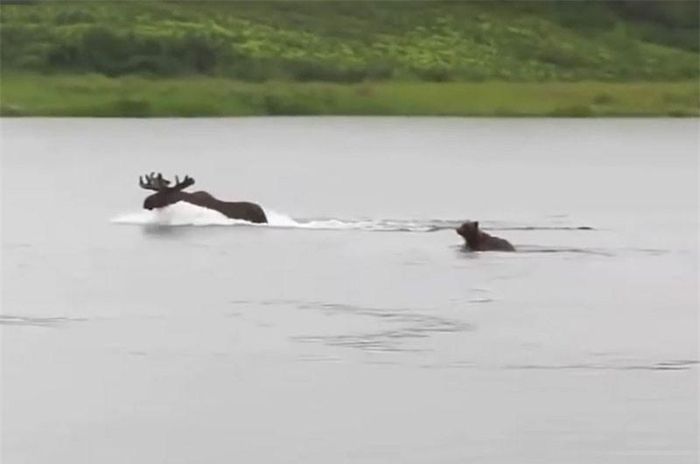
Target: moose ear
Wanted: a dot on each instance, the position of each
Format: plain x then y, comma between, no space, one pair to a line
476,224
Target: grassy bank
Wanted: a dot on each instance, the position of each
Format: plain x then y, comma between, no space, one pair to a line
399,57
356,40
96,95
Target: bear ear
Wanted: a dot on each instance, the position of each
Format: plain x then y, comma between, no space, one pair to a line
476,224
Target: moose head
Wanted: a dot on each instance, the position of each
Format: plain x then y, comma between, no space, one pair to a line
165,194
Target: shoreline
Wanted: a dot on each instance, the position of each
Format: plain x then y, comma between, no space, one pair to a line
91,95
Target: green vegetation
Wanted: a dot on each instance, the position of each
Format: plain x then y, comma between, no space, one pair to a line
350,57
351,41
95,95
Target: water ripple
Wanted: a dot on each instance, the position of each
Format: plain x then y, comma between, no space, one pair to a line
37,321
670,365
402,325
412,325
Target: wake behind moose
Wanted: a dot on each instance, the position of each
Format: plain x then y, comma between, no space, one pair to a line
166,195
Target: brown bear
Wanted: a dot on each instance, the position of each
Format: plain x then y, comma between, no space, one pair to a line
476,240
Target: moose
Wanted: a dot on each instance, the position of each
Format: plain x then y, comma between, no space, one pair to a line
477,240
166,195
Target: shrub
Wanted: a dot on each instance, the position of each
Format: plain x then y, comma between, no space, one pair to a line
73,17
574,111
132,107
603,99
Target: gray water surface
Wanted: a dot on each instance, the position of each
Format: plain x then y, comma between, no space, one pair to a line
355,328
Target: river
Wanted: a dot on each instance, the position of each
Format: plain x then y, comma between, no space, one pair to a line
354,327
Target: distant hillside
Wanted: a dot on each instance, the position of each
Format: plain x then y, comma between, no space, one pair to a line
351,41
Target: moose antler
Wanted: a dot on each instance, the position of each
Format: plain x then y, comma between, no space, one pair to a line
154,182
158,183
186,182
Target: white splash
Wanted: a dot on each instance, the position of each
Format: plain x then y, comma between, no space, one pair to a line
179,214
186,214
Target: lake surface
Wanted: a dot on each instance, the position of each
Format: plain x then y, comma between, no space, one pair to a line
354,328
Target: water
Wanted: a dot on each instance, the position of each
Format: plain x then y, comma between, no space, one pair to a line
354,328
